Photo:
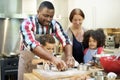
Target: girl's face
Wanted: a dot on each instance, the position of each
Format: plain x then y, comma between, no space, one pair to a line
77,20
92,43
49,47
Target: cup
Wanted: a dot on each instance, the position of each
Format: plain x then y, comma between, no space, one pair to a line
80,67
111,76
100,77
40,67
85,67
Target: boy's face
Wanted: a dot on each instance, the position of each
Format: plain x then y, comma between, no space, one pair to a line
92,43
49,47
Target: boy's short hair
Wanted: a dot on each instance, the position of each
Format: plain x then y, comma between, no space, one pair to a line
46,38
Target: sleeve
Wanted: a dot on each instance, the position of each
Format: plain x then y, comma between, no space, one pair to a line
69,33
85,51
100,50
60,34
27,32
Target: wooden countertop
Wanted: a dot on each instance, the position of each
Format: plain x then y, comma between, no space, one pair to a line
38,74
54,75
30,76
72,74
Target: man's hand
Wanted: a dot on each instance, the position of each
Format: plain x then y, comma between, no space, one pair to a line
70,61
60,64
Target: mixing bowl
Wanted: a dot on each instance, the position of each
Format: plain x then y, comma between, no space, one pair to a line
110,64
97,57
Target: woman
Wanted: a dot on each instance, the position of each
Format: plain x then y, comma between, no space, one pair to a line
75,33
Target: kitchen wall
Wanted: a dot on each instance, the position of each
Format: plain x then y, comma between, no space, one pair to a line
29,7
99,13
10,7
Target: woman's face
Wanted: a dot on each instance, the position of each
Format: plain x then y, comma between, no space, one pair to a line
77,20
92,43
49,47
45,16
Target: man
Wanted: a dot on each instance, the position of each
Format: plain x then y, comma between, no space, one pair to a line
43,23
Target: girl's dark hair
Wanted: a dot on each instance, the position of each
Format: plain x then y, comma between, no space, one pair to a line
101,37
74,12
98,35
46,38
86,38
47,4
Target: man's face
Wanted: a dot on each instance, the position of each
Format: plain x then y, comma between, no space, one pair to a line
49,47
45,16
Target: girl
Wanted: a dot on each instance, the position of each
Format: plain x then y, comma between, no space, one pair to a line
93,42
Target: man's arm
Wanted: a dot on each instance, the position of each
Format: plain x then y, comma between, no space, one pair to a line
27,30
63,38
68,50
60,64
39,51
68,55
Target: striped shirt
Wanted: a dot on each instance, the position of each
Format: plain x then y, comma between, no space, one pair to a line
30,27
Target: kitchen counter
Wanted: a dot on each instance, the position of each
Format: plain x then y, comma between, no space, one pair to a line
71,74
30,76
111,50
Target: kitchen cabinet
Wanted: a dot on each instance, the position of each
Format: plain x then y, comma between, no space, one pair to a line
113,31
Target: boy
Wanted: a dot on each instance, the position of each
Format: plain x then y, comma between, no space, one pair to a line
48,43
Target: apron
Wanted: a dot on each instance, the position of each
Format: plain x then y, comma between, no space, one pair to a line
25,59
25,63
